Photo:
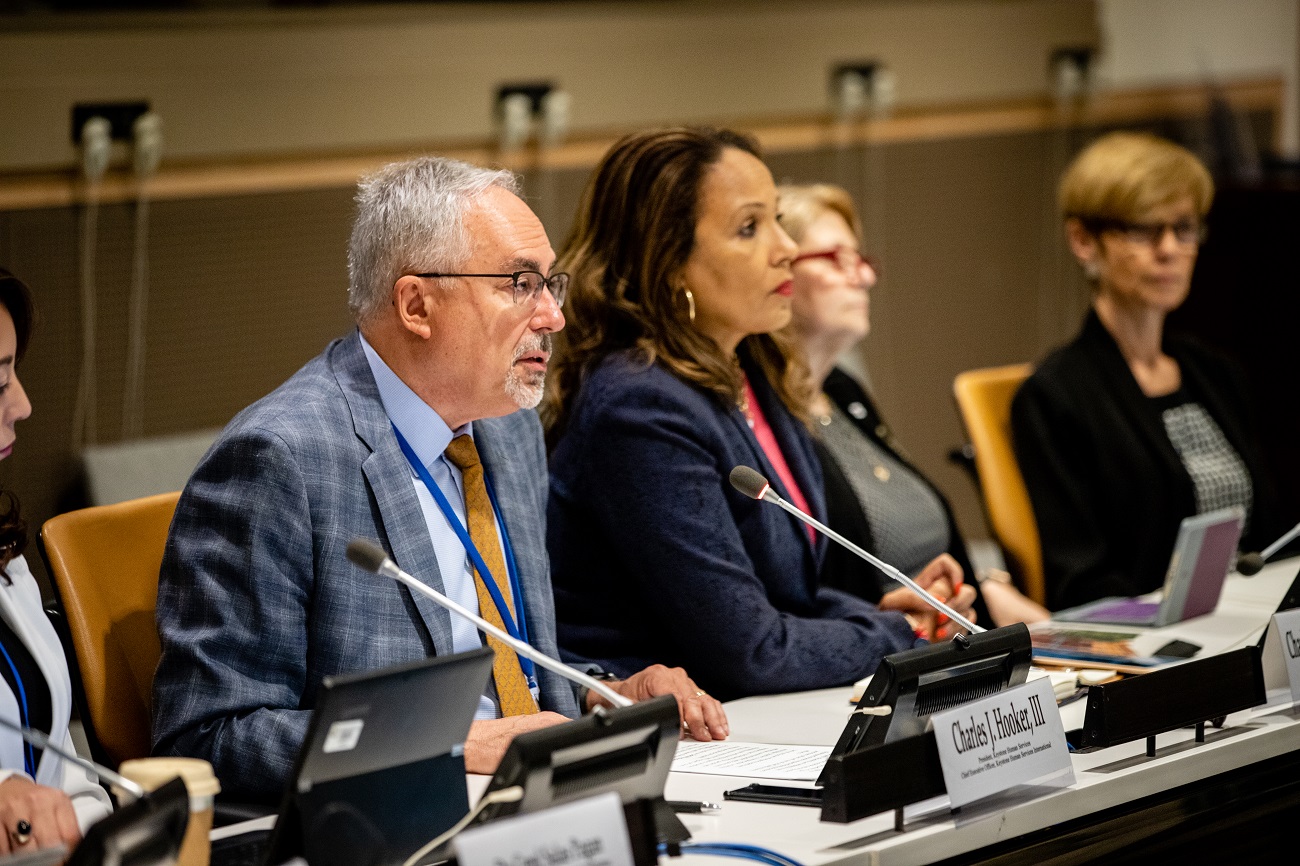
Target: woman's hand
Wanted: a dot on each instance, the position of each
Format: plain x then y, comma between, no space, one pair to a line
34,816
1007,604
942,578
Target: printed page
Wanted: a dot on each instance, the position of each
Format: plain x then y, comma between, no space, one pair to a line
757,760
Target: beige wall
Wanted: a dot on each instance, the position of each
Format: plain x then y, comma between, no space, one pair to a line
254,83
1161,41
247,287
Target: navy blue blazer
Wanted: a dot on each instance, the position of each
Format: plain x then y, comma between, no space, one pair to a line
655,558
256,600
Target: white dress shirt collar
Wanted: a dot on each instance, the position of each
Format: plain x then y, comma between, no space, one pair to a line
423,428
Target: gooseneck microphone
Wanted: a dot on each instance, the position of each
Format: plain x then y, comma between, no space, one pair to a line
749,482
40,741
1250,564
369,556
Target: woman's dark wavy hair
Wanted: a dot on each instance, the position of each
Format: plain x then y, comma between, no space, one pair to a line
17,300
632,236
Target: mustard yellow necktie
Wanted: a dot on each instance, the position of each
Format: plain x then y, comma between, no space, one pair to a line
512,687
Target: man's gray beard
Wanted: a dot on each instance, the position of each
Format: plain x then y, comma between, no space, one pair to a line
526,387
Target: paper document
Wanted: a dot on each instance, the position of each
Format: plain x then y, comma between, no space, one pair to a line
758,760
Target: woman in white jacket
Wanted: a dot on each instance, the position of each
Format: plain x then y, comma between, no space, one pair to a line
44,800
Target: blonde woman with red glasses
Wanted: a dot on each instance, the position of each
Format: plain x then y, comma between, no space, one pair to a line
874,495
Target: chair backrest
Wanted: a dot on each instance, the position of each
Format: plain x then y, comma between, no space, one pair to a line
984,400
105,562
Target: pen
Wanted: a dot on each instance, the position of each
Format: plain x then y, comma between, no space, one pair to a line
690,807
1078,693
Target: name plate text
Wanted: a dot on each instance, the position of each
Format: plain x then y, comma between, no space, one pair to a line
590,832
1288,629
997,743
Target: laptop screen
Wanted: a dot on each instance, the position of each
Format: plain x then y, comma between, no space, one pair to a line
1203,556
381,771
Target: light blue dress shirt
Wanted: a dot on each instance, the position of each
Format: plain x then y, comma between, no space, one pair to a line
428,435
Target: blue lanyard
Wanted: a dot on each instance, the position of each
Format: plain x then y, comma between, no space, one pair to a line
519,632
29,753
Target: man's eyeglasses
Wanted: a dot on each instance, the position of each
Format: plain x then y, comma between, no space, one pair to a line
846,259
1186,232
527,285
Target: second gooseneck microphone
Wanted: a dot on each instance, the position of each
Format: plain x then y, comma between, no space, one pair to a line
749,482
1250,564
367,555
40,741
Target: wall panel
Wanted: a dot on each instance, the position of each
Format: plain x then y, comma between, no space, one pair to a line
245,289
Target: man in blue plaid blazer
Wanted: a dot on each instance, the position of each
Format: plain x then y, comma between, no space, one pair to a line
256,600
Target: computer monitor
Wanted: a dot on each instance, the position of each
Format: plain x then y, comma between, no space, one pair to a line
382,768
917,683
628,750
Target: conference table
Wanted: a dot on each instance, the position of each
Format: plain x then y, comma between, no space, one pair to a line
1234,798
1230,796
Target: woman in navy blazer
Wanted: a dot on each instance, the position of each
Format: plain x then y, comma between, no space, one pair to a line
668,376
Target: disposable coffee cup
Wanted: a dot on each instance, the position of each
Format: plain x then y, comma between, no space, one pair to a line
200,783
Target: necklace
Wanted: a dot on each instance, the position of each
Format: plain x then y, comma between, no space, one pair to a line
743,403
821,409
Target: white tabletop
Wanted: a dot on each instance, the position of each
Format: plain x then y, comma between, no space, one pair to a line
1104,778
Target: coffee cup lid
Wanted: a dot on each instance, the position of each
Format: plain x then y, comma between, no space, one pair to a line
151,773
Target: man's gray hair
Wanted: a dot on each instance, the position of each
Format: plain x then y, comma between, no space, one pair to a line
411,219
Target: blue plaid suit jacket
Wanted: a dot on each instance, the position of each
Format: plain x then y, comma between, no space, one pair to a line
257,602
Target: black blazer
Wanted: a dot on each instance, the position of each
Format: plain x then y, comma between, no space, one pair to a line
1107,487
842,569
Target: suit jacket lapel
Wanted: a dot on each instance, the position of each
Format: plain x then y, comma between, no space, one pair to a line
1133,403
389,476
801,459
798,456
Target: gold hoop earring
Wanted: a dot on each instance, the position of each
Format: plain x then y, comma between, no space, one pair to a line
690,304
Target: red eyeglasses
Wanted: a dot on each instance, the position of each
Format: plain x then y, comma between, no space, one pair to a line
846,259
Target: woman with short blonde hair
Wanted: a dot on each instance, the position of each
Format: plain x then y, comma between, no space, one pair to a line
1126,430
1125,174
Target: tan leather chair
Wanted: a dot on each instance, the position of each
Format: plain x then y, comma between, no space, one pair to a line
984,400
105,561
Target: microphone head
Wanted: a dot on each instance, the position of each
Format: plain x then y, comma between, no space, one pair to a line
749,482
1249,564
364,553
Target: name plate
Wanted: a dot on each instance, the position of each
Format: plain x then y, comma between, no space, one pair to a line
590,832
1288,629
990,745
